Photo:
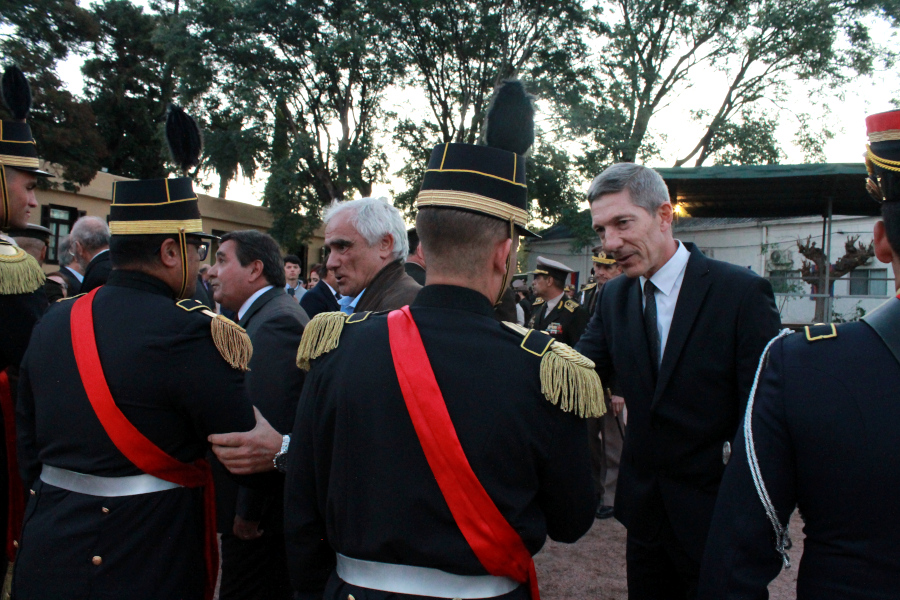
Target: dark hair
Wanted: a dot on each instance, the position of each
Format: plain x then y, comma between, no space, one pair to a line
136,250
140,250
458,241
413,238
319,269
292,258
251,245
890,213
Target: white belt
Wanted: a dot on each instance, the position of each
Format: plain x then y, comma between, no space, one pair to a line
420,581
109,487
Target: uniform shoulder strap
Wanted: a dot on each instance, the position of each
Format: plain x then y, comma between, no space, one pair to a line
231,339
19,272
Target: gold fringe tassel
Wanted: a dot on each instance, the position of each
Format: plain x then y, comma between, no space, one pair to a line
232,342
320,336
19,273
568,379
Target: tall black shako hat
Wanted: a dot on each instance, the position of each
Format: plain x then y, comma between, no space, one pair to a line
883,156
488,178
164,206
17,147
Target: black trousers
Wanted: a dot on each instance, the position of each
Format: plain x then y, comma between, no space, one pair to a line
254,569
659,568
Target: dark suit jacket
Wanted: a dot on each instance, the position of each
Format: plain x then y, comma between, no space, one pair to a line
672,461
97,272
390,289
71,281
319,299
415,271
275,325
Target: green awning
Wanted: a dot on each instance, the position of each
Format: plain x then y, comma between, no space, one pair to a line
768,191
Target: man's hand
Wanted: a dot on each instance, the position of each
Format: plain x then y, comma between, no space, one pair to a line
246,530
617,403
250,451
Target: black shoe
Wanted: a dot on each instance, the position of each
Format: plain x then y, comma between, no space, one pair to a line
605,512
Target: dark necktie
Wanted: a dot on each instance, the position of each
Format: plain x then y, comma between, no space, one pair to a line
291,292
650,323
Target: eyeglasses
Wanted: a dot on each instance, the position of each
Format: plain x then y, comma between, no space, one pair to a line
202,250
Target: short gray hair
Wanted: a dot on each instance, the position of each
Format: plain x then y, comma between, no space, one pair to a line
645,186
63,252
91,232
373,218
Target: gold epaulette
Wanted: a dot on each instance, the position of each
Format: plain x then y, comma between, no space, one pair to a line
820,331
230,339
537,301
571,305
322,334
568,378
589,286
20,273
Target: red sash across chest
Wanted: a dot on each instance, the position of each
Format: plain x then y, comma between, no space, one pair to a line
143,453
497,545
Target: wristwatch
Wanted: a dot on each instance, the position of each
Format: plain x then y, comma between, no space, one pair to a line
280,459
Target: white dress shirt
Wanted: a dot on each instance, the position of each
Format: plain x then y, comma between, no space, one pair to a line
249,301
668,282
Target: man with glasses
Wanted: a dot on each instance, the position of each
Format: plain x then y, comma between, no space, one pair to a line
119,389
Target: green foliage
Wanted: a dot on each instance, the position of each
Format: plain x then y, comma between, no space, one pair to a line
123,83
314,72
749,142
36,35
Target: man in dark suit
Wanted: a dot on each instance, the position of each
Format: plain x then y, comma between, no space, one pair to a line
415,261
90,242
323,297
69,267
815,423
681,334
248,277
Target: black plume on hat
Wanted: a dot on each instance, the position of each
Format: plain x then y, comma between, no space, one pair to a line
184,138
16,93
510,119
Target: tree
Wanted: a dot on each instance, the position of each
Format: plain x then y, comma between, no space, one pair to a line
460,50
813,268
650,49
123,83
36,35
314,72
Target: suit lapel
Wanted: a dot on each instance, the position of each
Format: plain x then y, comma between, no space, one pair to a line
258,304
693,290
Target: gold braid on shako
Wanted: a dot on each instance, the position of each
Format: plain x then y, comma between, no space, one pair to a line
883,156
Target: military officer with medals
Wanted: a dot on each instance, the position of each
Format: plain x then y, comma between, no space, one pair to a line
402,480
553,312
824,410
119,389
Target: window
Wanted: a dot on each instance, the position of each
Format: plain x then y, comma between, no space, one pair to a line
868,282
786,281
59,220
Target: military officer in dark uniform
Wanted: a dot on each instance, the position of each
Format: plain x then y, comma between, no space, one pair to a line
825,411
119,389
370,512
604,269
22,296
553,311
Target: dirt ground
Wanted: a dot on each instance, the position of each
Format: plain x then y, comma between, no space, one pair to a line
594,567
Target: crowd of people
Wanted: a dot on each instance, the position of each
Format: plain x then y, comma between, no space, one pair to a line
413,421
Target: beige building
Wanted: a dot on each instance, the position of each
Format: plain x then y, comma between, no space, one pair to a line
59,209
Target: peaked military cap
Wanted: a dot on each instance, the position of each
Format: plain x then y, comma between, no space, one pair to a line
883,156
553,268
600,257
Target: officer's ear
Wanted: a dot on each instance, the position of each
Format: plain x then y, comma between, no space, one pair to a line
883,250
170,253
